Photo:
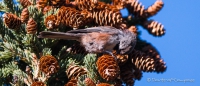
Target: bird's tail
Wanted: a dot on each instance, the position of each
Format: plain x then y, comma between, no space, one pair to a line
60,35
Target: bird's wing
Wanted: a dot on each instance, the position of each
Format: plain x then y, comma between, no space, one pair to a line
100,29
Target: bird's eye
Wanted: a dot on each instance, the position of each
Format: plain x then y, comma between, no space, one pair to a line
91,43
123,42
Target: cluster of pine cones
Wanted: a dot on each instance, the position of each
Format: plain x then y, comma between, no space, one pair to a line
80,13
126,69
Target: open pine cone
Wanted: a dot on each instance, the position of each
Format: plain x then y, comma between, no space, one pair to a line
121,59
74,18
120,4
57,3
46,9
160,66
89,82
72,82
136,8
107,18
150,51
127,73
61,17
103,84
74,71
50,22
155,28
11,21
137,73
38,83
86,4
133,29
31,27
142,62
70,17
105,6
108,67
41,3
87,16
48,64
25,3
155,8
24,15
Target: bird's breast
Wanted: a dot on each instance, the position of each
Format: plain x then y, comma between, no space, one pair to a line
97,42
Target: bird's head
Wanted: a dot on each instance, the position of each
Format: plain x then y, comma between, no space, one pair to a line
127,42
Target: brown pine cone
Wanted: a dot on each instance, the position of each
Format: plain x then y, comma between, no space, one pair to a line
148,49
152,52
137,73
24,15
57,3
120,4
128,77
46,9
103,84
127,73
87,16
74,71
142,62
107,18
70,17
61,17
31,27
160,66
106,1
67,1
77,49
121,59
38,83
155,28
118,82
48,64
108,67
25,3
11,21
74,18
89,82
41,3
133,29
72,82
136,8
50,22
86,4
102,6
155,8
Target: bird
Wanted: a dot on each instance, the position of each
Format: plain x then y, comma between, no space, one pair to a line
101,39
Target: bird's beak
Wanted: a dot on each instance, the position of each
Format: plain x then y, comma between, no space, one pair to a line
121,51
118,51
127,50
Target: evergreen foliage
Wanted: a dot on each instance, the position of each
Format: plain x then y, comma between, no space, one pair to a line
21,51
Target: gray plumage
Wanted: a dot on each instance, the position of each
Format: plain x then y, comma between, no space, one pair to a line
98,39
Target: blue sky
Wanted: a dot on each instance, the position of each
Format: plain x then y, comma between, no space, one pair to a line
179,47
